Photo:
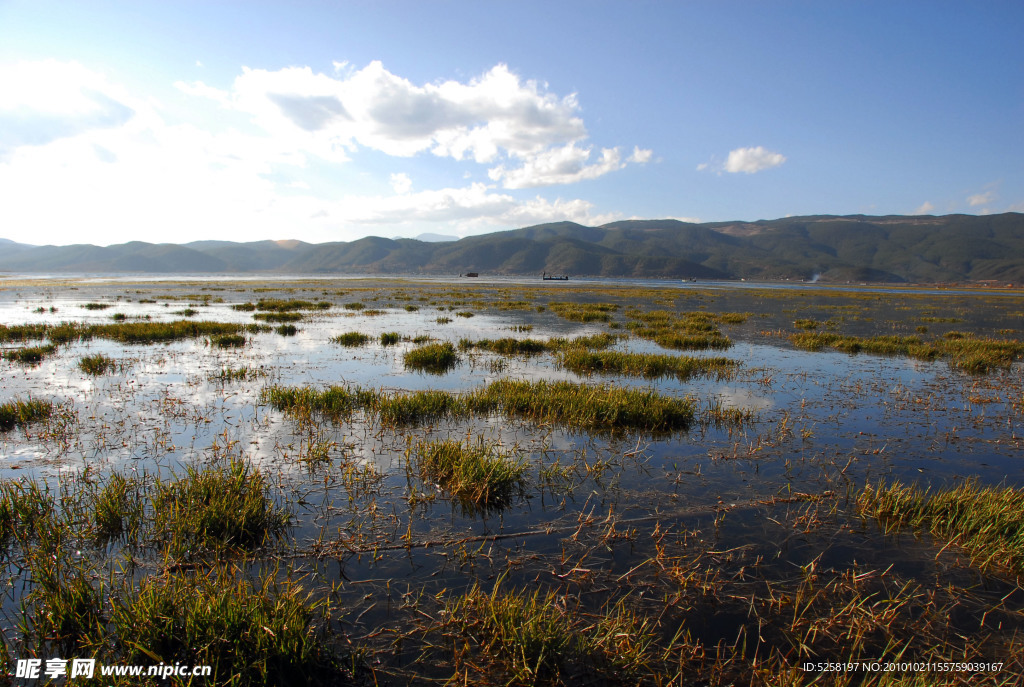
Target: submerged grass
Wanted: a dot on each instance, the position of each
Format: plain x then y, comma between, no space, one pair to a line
477,475
987,522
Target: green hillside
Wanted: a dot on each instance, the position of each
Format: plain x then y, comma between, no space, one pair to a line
833,248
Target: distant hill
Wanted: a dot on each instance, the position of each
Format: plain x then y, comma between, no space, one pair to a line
832,248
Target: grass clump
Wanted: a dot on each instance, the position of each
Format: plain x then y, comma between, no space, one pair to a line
277,317
281,306
251,632
335,401
680,331
522,638
354,306
478,475
573,405
351,339
238,374
584,406
584,312
646,365
96,306
218,509
506,346
118,508
389,338
30,355
227,340
96,365
987,522
435,358
971,354
22,413
287,330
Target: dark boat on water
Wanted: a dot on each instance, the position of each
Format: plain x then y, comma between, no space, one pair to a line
550,277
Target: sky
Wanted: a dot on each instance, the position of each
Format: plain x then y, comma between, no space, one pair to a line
171,122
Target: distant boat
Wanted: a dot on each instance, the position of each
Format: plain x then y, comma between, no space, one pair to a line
472,274
550,277
691,279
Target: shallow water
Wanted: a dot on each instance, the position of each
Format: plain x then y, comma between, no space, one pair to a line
825,423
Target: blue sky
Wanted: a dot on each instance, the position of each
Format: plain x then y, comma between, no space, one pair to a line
178,121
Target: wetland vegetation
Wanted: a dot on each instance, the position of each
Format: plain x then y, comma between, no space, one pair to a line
592,484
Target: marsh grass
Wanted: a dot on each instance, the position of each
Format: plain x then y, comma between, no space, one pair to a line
22,413
351,339
988,522
647,365
478,475
97,364
238,374
506,346
252,632
583,312
573,405
287,330
227,340
282,306
96,306
277,317
389,338
30,355
529,638
969,353
435,358
117,508
218,509
682,331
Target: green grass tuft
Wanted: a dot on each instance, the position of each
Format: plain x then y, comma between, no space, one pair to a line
478,476
218,509
436,358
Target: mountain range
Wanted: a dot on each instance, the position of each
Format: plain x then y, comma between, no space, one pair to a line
922,249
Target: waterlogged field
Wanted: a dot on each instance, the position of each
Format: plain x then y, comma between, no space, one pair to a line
399,482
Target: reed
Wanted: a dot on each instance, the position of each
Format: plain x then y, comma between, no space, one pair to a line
389,338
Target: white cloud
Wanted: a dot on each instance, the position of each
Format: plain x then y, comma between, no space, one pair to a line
925,208
751,160
83,160
640,156
401,182
981,198
565,165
